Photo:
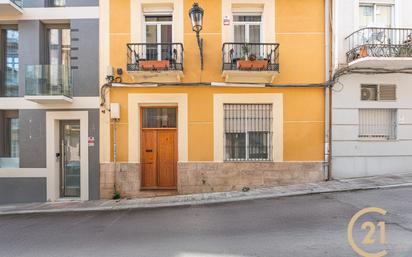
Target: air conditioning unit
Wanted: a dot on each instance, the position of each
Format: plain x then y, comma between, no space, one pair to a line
369,93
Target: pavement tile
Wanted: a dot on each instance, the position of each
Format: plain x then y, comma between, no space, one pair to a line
197,199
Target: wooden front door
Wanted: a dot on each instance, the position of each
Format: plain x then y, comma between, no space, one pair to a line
159,147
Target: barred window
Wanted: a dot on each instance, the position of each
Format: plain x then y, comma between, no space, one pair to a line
377,123
248,132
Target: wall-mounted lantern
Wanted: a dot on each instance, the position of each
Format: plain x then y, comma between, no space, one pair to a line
196,16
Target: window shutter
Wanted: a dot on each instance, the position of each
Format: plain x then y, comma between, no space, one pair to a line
387,92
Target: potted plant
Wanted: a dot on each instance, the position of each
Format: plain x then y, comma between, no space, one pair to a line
252,63
154,64
363,51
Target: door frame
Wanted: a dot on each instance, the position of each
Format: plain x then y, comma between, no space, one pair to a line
141,108
53,119
61,131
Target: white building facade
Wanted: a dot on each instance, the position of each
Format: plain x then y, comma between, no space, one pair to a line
372,96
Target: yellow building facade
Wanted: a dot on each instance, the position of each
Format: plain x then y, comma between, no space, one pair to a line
254,116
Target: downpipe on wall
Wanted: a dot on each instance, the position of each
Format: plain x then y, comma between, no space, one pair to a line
327,167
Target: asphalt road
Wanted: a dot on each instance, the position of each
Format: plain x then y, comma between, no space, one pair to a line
314,225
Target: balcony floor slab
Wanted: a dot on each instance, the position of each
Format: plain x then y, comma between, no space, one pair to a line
8,8
393,63
55,99
233,76
156,76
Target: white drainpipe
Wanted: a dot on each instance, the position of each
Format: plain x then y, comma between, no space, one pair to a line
327,166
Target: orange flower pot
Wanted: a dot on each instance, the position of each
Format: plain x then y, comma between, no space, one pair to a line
363,52
154,65
252,65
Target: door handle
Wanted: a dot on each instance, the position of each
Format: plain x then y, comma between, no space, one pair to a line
149,150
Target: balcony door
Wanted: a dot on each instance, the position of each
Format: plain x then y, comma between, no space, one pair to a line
58,57
158,36
58,45
376,15
248,29
9,62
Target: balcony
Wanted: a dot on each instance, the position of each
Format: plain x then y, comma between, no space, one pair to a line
384,48
11,7
250,62
162,62
49,84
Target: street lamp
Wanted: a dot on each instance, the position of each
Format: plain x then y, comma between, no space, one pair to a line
196,16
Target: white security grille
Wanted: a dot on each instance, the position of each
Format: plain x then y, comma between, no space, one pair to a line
377,123
248,132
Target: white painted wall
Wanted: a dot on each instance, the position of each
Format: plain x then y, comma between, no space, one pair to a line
351,156
346,16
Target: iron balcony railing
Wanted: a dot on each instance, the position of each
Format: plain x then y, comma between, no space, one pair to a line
19,3
155,56
49,80
250,56
379,42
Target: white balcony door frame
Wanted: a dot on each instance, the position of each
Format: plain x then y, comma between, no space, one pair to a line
375,11
158,30
248,24
394,11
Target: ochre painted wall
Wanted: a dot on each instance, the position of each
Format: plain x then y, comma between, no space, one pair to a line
300,33
299,26
299,30
303,120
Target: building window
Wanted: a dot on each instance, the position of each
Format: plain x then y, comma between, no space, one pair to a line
9,143
378,92
376,15
58,45
248,132
56,3
247,28
9,62
159,117
377,123
158,31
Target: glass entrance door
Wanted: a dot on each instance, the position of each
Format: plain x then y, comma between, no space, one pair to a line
70,159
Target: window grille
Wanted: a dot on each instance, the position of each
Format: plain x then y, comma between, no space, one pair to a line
377,123
248,132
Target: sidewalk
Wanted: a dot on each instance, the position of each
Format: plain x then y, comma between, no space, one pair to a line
378,182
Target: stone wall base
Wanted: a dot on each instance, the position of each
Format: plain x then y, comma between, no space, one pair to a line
205,177
127,180
234,176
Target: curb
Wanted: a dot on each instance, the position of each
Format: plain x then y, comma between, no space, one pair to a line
198,200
